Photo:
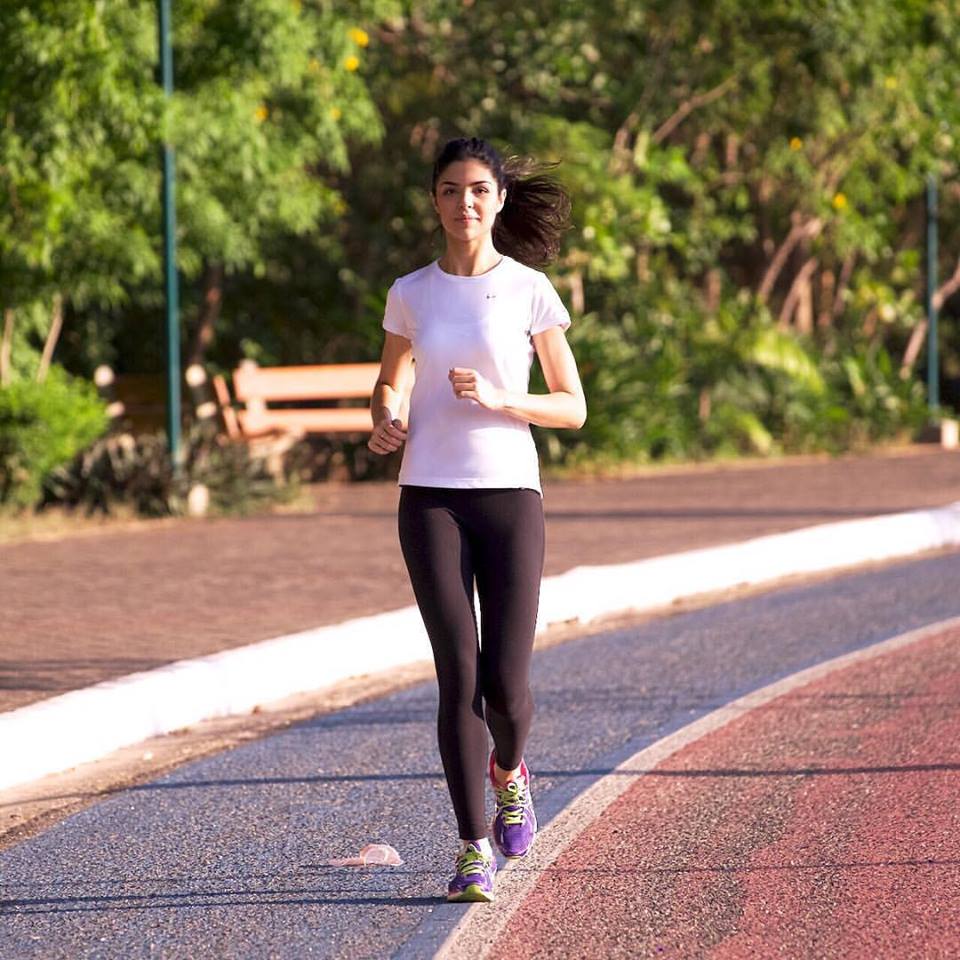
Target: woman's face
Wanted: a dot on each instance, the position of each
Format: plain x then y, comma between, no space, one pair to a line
467,199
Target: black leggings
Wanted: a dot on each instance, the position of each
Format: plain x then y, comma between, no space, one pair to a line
496,536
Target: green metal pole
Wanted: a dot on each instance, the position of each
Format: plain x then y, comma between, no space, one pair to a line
933,360
172,320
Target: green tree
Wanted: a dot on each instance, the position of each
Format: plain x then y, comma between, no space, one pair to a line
747,179
748,187
268,97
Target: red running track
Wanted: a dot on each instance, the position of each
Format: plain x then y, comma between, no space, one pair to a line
823,824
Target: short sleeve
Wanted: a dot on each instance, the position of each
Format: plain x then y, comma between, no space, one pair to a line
547,307
395,319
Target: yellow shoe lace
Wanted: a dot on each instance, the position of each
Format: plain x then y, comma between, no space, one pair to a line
471,863
512,798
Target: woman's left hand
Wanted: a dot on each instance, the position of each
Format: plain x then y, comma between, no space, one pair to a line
470,385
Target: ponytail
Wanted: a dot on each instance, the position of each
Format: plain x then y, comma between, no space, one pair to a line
536,212
535,215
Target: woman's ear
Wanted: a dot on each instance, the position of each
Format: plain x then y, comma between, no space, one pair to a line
503,199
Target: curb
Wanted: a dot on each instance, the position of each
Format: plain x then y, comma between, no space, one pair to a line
118,713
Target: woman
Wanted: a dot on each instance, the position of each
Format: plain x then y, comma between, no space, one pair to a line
470,501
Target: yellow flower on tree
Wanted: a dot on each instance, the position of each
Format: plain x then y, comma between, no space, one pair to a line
796,143
352,63
261,113
336,113
839,201
314,65
360,37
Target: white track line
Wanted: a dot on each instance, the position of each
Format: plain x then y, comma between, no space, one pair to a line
88,724
482,924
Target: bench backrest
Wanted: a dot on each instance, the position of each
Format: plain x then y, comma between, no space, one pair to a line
257,386
135,401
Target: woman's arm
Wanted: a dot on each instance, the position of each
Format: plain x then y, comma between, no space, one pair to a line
565,404
390,393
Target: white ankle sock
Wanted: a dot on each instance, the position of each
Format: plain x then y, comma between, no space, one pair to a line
483,845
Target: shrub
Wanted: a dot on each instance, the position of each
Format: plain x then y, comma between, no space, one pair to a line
137,471
672,384
42,426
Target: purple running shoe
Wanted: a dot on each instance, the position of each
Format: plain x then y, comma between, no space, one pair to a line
515,823
473,882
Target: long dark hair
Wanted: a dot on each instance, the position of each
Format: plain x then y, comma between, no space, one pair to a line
536,212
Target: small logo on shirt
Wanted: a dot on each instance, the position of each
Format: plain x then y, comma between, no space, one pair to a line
491,296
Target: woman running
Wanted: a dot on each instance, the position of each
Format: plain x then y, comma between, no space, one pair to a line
464,330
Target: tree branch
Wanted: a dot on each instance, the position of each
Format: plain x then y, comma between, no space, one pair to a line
209,313
56,325
919,332
948,289
801,230
846,272
798,290
6,347
688,106
917,336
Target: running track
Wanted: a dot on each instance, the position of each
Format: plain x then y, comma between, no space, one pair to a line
820,825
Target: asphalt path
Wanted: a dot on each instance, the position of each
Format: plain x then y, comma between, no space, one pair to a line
224,857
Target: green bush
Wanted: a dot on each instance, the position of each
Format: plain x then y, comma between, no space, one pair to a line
137,471
42,426
666,383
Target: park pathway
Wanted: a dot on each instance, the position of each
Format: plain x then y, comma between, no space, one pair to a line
81,610
225,856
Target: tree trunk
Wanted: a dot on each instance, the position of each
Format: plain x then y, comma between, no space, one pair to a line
643,265
56,325
712,291
701,147
910,355
948,289
799,300
575,280
828,284
804,314
732,151
209,313
6,347
846,272
688,106
801,230
919,333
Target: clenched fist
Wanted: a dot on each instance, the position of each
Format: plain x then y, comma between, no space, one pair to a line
470,385
388,435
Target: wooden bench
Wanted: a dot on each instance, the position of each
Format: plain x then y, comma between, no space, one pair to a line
295,401
137,402
278,406
134,401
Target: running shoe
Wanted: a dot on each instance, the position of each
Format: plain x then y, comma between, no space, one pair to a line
473,882
515,823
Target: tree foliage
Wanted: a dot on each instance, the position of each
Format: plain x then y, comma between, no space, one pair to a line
267,99
745,267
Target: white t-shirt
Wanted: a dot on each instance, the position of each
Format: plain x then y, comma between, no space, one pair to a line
485,323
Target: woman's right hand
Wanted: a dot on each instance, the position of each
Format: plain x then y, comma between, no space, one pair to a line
388,435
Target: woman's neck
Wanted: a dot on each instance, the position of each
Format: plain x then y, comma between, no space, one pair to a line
465,260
